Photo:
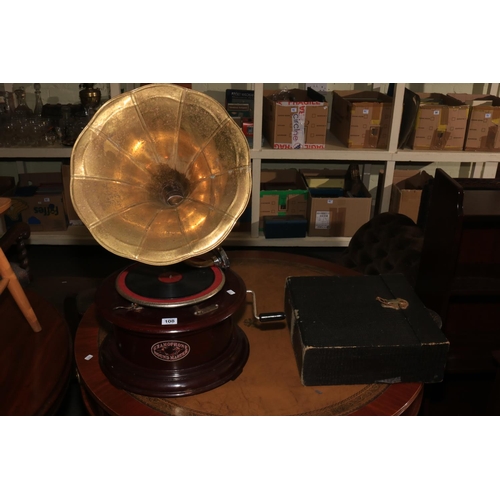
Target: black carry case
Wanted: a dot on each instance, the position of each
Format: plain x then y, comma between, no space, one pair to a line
353,330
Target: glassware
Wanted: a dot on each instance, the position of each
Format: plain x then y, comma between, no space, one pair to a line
38,102
20,120
5,109
22,108
90,98
5,122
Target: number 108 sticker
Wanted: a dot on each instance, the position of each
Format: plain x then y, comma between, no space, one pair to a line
168,321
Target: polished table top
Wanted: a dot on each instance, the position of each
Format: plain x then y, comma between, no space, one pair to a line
35,367
269,383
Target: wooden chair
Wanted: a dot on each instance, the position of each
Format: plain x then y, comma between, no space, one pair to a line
10,281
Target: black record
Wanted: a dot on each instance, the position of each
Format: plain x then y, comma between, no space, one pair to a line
169,286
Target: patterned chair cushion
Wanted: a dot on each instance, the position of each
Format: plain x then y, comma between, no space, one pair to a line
388,243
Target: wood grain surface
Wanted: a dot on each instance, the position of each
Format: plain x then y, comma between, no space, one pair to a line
35,366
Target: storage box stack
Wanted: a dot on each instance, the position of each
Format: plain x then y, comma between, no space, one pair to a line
38,200
483,132
407,192
361,119
295,119
440,122
283,203
334,207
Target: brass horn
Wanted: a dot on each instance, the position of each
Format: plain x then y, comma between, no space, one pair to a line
160,174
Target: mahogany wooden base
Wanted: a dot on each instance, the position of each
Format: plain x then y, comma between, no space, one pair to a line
173,351
174,382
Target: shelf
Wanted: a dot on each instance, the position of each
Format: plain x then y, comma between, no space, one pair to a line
80,235
74,235
409,155
245,239
334,150
26,153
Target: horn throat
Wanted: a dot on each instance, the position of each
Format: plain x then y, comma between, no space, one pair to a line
169,186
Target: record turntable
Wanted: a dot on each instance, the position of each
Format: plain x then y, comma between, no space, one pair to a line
160,176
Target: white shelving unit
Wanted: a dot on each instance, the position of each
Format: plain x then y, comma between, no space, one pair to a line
484,164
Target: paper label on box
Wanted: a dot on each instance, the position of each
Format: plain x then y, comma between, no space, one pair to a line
436,111
487,115
300,103
281,145
298,126
322,219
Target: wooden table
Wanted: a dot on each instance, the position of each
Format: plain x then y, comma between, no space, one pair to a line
35,367
270,383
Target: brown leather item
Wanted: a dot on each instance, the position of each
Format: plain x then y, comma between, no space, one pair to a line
269,383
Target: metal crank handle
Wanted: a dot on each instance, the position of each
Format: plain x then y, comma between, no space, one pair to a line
268,317
265,317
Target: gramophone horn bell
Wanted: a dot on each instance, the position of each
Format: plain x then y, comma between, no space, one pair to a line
160,174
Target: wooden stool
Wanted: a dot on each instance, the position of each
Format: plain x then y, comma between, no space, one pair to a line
10,281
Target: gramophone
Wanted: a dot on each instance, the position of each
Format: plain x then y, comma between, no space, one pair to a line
160,176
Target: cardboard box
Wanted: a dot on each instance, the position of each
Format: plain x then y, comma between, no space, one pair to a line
361,119
38,200
407,191
73,218
294,124
334,212
282,192
285,226
483,132
341,332
440,123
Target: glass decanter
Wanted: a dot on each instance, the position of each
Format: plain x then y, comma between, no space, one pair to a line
22,107
38,102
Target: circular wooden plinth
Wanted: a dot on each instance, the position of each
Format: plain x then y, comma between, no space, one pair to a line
269,383
171,352
174,382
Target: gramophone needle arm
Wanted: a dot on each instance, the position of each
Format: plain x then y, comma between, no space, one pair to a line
131,307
